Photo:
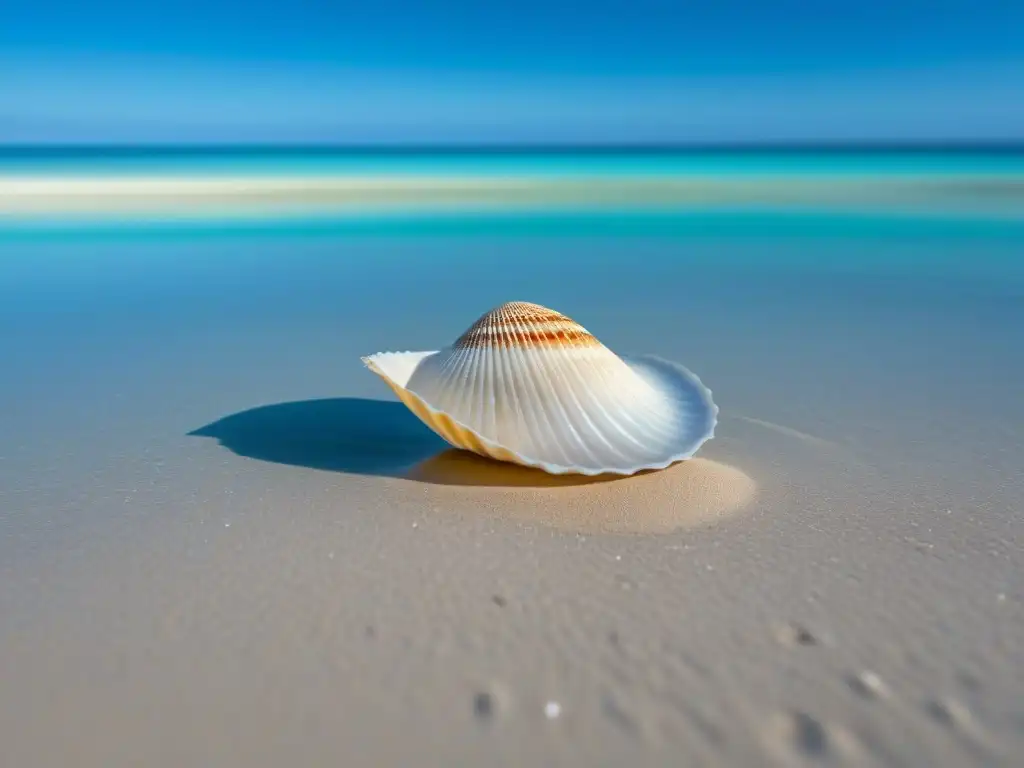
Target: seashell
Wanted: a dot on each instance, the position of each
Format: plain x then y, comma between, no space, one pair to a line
528,385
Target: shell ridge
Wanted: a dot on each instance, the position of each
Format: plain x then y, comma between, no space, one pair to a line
465,405
476,400
444,369
485,362
558,416
541,428
659,429
648,421
573,441
647,427
490,417
609,391
529,385
455,382
569,372
605,424
633,433
510,388
475,370
704,394
509,400
511,411
436,388
446,372
608,409
440,385
677,376
523,382
586,440
658,423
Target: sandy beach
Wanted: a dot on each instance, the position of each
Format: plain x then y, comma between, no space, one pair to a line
224,542
511,385
215,196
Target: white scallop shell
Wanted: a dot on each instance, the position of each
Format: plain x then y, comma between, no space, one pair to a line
528,385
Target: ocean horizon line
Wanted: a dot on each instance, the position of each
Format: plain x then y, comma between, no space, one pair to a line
58,149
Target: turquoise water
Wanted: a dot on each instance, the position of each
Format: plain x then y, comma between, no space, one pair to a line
689,266
700,191
868,368
184,161
960,242
905,337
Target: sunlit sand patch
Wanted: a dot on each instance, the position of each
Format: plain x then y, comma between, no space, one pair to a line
690,494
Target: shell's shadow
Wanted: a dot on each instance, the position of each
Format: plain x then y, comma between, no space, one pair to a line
365,437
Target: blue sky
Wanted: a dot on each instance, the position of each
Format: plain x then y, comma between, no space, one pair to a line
525,71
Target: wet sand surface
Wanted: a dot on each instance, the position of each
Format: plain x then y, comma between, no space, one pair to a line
224,542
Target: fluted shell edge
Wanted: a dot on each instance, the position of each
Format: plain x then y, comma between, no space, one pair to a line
461,436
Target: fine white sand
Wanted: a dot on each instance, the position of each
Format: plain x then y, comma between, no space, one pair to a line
211,196
224,543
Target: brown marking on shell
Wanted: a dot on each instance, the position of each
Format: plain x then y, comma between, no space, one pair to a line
522,324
